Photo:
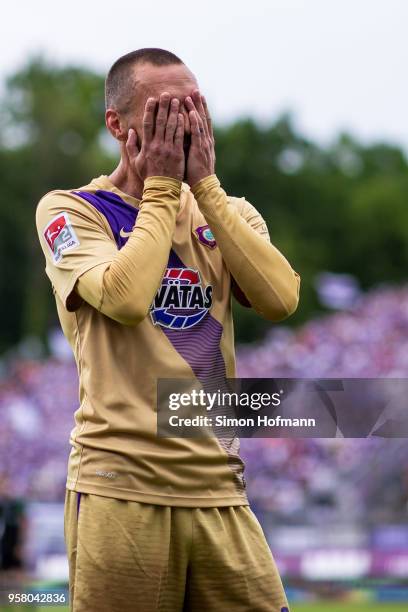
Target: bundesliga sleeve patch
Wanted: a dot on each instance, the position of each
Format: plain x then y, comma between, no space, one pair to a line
60,236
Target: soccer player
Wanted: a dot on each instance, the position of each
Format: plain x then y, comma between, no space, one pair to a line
143,264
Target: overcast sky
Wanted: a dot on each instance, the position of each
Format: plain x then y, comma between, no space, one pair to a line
337,64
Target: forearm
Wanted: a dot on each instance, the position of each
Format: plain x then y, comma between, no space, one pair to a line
260,270
125,289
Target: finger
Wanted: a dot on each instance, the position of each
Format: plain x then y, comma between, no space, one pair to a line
161,119
201,125
131,145
208,117
172,121
192,109
189,104
195,129
200,108
179,133
148,120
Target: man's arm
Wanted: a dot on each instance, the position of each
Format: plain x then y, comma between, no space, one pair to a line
259,269
82,259
124,289
261,272
119,283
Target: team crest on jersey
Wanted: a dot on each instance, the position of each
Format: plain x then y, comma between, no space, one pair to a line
181,301
205,236
60,236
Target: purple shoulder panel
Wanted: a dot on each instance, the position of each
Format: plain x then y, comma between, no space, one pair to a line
120,215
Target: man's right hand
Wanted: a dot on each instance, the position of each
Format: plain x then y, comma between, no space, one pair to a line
161,153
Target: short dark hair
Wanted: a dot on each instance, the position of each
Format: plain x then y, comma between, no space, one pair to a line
119,83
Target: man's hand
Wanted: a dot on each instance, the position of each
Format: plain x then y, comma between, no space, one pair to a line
161,153
201,156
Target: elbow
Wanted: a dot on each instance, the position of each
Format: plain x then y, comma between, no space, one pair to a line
286,305
292,299
121,304
130,314
279,312
291,306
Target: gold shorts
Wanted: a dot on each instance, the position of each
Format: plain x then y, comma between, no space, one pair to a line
126,556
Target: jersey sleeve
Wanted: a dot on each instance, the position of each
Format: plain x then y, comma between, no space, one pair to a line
257,222
251,216
125,289
262,273
74,239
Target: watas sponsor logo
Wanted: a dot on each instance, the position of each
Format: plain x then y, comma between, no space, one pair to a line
182,300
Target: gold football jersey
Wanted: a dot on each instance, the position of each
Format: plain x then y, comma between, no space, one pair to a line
187,333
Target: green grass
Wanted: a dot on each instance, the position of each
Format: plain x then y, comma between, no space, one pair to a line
349,607
310,607
33,608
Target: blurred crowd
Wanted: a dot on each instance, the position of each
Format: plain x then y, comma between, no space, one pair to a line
366,341
37,402
294,480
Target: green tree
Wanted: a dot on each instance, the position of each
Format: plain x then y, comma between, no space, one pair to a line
340,209
51,125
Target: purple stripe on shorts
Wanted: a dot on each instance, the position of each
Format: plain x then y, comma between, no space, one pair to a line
78,502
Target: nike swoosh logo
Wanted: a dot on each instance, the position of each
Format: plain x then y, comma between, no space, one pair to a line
124,234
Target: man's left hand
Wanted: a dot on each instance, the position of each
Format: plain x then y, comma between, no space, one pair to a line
201,156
